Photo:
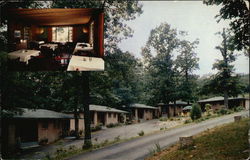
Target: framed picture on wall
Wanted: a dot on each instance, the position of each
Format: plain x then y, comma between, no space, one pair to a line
17,34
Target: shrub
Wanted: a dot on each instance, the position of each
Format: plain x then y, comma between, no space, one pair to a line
96,128
128,122
155,150
117,138
195,112
111,125
141,133
163,119
81,132
208,107
222,111
187,121
72,133
239,108
87,145
43,141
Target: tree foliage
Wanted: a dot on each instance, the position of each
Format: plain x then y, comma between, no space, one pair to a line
186,62
167,79
237,11
224,82
196,112
117,85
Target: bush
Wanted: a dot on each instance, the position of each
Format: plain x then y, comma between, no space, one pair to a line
141,133
195,112
187,121
223,111
72,133
163,119
117,138
43,141
96,128
208,107
239,108
111,125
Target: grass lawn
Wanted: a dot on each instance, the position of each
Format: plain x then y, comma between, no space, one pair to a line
222,143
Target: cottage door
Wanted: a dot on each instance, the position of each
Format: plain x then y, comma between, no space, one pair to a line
27,131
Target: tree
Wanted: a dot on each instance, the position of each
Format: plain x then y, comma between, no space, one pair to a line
196,112
237,11
117,85
224,82
168,80
158,61
186,62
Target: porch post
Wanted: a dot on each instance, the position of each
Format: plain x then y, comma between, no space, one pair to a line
95,118
144,114
136,114
106,118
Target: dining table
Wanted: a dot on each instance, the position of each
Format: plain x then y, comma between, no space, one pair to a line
84,63
82,47
24,55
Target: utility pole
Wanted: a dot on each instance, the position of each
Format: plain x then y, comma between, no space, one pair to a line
87,118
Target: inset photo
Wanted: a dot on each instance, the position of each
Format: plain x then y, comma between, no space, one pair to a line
55,39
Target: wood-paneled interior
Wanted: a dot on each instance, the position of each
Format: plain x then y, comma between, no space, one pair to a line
36,19
53,16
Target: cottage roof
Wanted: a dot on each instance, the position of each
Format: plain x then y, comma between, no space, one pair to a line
179,102
100,108
220,98
42,113
137,105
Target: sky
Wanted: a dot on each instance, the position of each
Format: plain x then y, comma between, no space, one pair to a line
191,16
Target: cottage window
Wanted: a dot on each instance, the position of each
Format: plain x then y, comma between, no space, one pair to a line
109,115
114,115
56,124
45,125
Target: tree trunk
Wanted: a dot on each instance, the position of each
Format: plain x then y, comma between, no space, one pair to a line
87,118
76,124
175,108
226,99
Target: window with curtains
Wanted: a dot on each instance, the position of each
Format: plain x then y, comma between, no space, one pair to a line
62,34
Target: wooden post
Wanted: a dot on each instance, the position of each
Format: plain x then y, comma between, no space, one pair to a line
85,100
237,118
95,119
186,141
136,115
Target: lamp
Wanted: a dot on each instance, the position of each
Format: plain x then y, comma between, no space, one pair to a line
85,30
40,30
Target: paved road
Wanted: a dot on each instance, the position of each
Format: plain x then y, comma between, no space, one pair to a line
138,149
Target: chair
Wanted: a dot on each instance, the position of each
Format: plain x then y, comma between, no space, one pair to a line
70,46
47,52
16,65
63,60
